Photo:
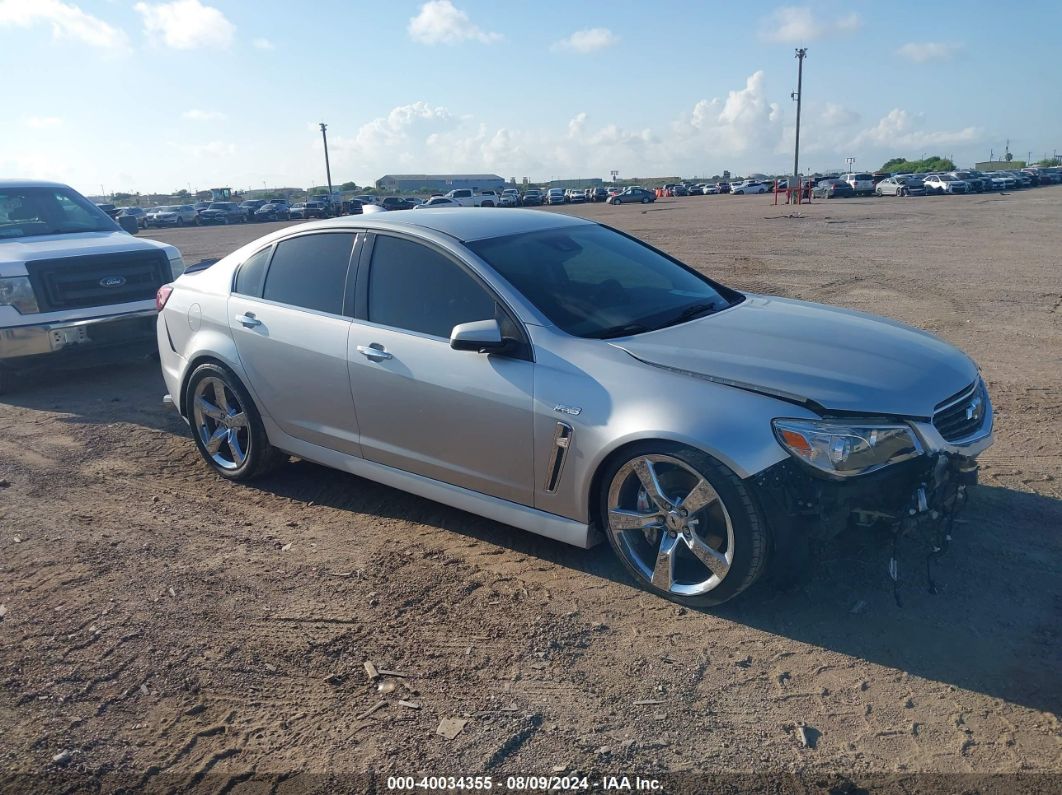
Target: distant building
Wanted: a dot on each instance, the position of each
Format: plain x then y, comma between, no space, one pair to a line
400,183
1000,165
593,182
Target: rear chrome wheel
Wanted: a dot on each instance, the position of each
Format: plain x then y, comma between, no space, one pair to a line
683,524
226,425
221,423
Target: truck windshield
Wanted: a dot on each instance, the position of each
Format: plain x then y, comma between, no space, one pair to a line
32,212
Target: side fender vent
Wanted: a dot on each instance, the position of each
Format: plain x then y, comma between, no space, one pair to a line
562,441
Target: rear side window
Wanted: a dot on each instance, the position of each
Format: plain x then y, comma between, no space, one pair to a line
310,271
251,275
415,288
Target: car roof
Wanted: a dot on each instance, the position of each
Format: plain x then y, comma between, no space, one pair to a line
462,223
30,183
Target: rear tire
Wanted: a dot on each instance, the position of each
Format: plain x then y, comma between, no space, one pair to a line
226,425
645,200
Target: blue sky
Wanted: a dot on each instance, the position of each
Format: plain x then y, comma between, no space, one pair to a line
155,96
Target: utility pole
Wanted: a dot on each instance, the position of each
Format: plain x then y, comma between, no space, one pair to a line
798,95
328,169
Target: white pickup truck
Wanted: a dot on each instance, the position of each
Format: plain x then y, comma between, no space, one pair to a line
72,282
470,197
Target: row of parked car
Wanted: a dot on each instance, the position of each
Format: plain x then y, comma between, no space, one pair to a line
227,212
830,186
936,183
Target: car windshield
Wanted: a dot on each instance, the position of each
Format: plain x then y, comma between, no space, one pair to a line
31,212
592,281
220,205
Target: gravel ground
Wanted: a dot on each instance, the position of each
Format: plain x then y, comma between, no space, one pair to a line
163,627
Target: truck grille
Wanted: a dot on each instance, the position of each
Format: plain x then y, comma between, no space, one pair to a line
963,414
98,279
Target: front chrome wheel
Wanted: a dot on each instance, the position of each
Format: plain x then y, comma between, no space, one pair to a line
221,423
670,525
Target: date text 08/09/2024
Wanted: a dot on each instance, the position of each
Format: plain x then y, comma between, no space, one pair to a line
523,783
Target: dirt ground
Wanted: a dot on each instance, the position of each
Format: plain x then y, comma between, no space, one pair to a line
166,628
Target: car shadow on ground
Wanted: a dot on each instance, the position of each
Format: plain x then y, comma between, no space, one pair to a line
109,389
991,627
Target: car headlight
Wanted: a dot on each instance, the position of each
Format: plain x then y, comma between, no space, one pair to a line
17,291
847,447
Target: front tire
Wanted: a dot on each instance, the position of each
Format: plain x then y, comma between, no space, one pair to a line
226,426
682,524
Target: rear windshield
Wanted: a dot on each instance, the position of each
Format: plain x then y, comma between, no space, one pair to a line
863,177
592,281
32,212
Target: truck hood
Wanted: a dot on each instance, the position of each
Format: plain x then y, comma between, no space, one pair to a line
833,359
14,254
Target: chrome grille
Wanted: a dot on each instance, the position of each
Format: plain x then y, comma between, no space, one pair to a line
98,280
963,414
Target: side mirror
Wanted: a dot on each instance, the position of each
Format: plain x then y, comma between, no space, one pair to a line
484,336
128,223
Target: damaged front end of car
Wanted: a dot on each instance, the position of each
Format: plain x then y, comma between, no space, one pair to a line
909,475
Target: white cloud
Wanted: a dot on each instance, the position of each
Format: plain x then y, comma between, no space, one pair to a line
441,22
195,114
67,20
920,52
898,129
797,24
41,122
836,115
186,24
262,43
587,41
745,122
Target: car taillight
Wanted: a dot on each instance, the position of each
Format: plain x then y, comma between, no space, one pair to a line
162,296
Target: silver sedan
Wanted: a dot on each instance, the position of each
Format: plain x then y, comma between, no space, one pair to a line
563,377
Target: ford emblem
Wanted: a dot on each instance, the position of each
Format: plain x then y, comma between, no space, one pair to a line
112,281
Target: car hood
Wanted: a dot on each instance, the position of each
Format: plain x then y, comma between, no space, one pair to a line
833,359
15,253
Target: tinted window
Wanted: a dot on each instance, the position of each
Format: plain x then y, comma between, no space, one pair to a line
252,273
25,212
594,282
310,271
415,288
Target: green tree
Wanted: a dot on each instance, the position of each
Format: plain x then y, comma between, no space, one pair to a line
348,186
900,165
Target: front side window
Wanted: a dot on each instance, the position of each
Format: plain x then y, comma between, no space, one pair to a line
415,288
310,271
592,281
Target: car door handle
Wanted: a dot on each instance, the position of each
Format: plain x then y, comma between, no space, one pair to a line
248,320
375,352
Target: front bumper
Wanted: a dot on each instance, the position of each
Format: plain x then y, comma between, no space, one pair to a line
928,489
29,345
